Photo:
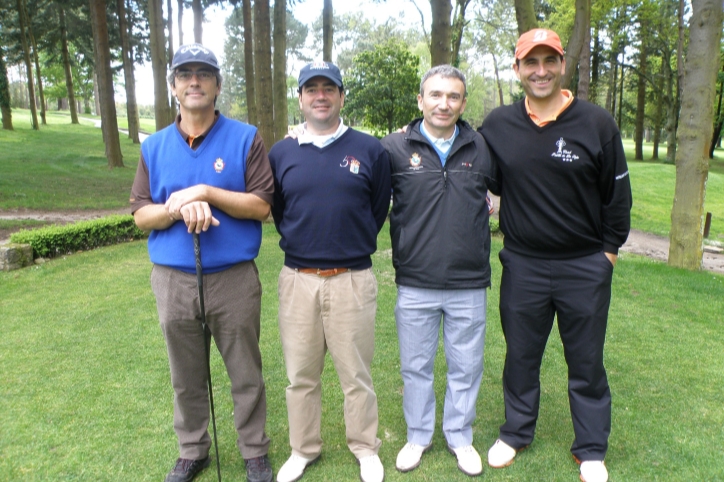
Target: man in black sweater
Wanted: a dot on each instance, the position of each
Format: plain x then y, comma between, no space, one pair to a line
565,211
440,251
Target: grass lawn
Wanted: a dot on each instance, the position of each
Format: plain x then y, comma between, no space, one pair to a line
61,167
86,392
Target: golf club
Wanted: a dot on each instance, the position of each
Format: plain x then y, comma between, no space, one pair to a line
207,343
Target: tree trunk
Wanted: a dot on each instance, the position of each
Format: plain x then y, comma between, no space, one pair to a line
694,133
28,67
672,111
263,74
102,57
327,30
7,113
719,120
66,66
658,115
180,5
169,25
595,67
281,122
34,44
131,106
457,30
198,10
584,63
250,79
641,95
440,32
162,109
497,80
525,15
620,96
575,43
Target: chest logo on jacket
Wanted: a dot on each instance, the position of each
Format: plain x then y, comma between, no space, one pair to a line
416,161
563,154
219,165
352,163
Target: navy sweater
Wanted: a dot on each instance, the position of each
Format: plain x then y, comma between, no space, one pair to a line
564,187
330,203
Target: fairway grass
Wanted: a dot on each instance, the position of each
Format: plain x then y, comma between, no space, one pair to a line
62,167
86,392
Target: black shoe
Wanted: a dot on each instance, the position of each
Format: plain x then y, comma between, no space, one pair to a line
186,469
258,469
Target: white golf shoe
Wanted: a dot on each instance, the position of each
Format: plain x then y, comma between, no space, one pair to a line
593,471
293,468
370,469
501,455
409,457
469,461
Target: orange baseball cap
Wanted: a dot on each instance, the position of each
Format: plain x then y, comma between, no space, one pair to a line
538,36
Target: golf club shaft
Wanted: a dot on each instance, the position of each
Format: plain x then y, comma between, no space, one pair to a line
207,344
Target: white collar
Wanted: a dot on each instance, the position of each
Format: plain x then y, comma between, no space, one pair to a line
323,140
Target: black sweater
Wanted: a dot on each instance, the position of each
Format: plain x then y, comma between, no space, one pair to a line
330,203
439,220
564,187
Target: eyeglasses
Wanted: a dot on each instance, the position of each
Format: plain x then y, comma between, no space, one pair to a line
188,74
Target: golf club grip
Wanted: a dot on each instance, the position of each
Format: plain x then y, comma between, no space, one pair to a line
199,276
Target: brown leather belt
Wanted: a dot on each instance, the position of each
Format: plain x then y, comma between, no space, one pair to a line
323,272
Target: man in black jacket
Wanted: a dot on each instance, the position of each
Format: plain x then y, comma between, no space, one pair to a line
565,211
441,247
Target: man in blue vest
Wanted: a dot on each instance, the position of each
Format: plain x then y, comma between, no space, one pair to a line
209,175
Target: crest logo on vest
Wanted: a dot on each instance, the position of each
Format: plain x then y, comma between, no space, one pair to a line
219,165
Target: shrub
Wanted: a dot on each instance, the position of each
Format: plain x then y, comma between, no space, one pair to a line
51,241
494,225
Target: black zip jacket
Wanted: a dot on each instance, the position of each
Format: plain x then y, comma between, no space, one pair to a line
439,220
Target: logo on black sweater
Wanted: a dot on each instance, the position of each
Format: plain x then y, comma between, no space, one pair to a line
416,161
563,154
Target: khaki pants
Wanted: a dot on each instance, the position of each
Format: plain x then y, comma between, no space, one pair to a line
232,300
335,313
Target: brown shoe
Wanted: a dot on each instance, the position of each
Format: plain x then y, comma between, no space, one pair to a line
185,469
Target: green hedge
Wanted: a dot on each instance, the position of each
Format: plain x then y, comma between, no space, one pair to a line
55,240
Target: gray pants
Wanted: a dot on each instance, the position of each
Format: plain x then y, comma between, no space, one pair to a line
232,299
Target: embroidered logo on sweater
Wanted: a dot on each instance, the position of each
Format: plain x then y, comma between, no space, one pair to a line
416,161
563,154
352,163
219,165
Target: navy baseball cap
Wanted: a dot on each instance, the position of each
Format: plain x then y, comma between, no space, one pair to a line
320,69
194,53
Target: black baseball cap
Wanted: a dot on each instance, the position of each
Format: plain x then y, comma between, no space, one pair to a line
194,53
320,69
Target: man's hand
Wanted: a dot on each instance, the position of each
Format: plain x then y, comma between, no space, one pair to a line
180,198
295,132
197,216
611,257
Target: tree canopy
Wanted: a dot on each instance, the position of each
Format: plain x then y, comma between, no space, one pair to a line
382,86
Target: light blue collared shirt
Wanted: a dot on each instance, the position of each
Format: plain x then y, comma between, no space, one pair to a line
442,146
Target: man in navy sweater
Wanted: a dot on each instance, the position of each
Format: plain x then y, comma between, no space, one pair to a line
565,211
332,193
209,175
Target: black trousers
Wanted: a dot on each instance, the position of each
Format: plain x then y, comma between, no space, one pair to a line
578,291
